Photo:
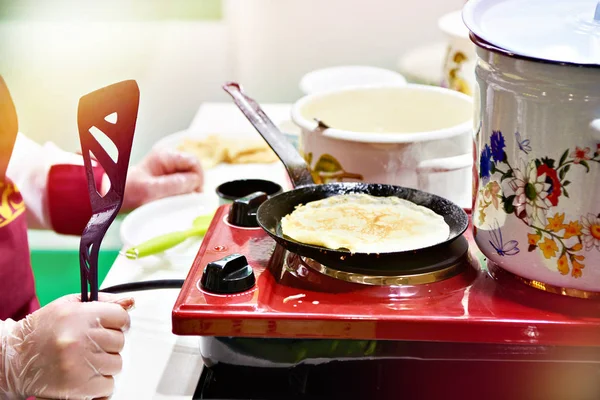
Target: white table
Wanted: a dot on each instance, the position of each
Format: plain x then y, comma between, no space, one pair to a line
156,363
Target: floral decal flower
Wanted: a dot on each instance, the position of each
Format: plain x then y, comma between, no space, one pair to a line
529,191
562,241
591,231
554,190
533,240
497,142
492,195
555,224
485,164
579,155
577,267
492,192
573,229
548,247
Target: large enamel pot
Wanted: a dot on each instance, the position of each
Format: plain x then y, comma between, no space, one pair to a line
536,207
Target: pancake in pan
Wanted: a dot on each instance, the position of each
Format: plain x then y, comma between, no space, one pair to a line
362,223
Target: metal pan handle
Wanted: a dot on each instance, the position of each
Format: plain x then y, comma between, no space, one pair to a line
294,163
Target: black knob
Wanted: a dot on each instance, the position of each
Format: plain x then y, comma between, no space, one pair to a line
243,211
229,275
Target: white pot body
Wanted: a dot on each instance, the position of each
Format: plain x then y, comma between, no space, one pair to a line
537,143
434,154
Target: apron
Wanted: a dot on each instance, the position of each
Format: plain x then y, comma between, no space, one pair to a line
69,212
17,286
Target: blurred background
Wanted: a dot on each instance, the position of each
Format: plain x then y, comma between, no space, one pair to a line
180,52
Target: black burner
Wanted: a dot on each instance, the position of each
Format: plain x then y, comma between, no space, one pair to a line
404,379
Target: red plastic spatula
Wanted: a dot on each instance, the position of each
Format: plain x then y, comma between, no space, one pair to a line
106,120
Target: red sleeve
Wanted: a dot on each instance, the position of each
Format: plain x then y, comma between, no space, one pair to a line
68,198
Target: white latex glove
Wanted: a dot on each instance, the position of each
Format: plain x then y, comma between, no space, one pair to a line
162,173
65,350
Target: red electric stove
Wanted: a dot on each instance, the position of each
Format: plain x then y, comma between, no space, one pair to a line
275,325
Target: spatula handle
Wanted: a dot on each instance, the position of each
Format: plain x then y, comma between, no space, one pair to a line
162,243
297,168
167,241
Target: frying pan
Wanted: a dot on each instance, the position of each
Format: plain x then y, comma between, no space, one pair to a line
305,190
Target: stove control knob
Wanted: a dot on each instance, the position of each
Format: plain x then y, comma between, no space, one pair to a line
229,275
243,210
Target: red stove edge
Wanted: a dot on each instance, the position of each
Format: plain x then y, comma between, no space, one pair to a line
480,305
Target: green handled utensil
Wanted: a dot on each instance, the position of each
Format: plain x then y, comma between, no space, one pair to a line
164,242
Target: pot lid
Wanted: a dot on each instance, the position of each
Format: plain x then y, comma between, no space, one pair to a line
561,31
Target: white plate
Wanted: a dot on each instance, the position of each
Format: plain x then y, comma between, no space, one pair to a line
164,216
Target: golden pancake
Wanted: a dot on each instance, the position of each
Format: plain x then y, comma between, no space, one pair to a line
363,223
207,151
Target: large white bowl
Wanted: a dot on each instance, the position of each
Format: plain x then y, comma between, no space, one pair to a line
415,136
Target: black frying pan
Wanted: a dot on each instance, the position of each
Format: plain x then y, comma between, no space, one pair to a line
271,212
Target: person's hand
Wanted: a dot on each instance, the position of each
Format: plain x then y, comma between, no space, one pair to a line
162,173
65,350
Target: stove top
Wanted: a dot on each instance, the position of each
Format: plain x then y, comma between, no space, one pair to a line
466,300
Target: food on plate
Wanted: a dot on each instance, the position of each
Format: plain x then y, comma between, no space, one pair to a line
215,149
362,223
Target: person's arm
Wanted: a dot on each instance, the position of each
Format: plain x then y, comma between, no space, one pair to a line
54,185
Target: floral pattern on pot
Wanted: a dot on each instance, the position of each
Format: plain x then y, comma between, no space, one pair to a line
454,75
328,169
530,191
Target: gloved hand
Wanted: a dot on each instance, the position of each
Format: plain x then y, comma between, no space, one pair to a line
65,350
162,173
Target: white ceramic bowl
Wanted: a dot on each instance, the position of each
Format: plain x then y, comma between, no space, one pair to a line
415,136
332,78
423,64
